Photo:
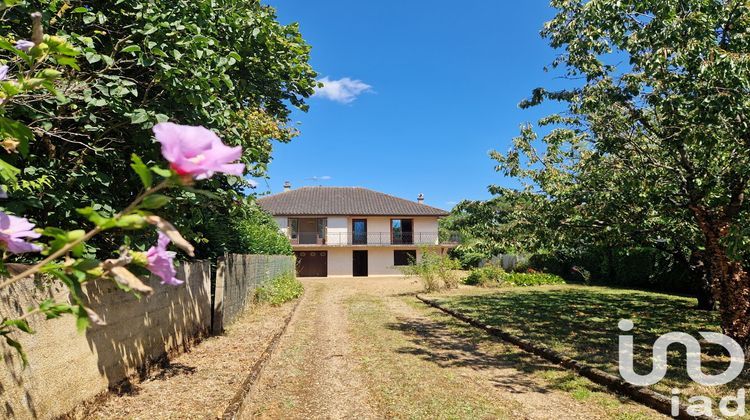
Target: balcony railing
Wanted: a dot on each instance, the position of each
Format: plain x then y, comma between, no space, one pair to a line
372,238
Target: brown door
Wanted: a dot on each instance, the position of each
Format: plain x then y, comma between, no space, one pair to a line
312,263
359,263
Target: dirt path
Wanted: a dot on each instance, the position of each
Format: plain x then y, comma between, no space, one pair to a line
198,384
313,374
364,348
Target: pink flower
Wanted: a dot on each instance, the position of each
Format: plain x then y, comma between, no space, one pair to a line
161,261
13,230
24,45
4,72
197,151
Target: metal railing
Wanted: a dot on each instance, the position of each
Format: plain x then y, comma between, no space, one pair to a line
372,238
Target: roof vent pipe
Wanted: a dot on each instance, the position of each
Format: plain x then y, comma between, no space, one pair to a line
287,186
420,198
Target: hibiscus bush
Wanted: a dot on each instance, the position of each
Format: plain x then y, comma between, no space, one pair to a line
224,64
57,219
193,153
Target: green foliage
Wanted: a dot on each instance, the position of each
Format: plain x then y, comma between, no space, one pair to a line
651,144
486,276
225,64
531,279
491,276
435,270
281,289
249,230
500,225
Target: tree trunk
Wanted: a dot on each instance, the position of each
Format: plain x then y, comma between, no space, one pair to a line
730,281
700,276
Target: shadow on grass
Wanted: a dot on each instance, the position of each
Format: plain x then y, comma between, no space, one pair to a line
449,344
582,323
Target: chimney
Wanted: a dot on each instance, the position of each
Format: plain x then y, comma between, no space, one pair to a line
420,198
287,186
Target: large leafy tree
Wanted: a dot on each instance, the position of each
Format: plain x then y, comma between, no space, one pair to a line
226,64
655,136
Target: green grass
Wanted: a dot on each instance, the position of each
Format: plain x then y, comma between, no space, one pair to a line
405,385
581,322
281,289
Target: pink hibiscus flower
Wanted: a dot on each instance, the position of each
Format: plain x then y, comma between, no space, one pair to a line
24,45
161,261
197,151
13,234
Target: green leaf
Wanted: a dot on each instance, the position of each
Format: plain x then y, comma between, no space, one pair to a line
54,310
75,235
166,173
131,221
131,48
139,116
142,170
16,345
71,282
21,324
8,172
82,318
18,131
204,193
94,217
155,201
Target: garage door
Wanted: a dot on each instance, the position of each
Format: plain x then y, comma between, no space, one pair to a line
312,263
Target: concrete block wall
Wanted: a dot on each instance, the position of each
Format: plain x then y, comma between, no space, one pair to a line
67,367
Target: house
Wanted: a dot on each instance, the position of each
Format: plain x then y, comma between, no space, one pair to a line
352,231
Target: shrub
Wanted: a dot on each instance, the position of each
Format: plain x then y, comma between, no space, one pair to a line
486,276
467,257
492,276
250,230
281,289
436,271
532,279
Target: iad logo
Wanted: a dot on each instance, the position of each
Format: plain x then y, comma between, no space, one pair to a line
700,405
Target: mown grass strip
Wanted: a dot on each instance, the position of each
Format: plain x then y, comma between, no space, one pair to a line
645,396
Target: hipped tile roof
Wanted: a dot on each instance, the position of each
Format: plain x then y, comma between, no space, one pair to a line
343,201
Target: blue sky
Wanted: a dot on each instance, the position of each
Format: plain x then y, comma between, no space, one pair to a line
445,80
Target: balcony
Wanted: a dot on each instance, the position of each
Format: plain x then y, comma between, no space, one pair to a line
372,239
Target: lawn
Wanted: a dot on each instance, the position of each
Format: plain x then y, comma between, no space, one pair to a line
581,322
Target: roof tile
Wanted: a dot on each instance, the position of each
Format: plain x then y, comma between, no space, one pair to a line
343,201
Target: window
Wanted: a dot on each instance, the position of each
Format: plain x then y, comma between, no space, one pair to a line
322,225
359,231
402,231
407,257
293,228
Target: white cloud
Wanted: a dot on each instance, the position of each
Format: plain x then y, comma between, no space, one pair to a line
320,178
344,90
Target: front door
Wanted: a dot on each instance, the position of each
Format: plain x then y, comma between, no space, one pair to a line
359,263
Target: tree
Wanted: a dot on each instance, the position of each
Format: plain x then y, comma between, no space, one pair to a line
225,64
655,130
505,223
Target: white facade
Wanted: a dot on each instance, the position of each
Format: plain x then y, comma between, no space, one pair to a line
339,243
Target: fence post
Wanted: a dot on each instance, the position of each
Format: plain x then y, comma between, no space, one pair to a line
218,315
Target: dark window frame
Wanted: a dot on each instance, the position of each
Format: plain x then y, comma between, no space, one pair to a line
407,257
